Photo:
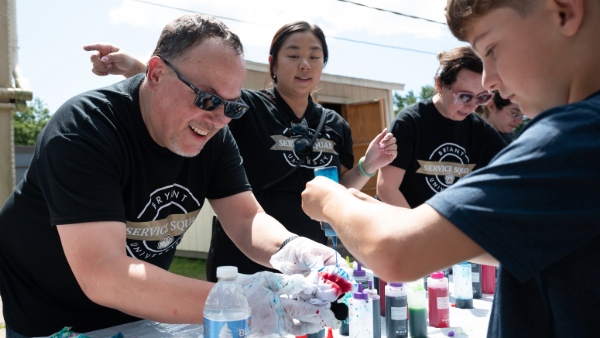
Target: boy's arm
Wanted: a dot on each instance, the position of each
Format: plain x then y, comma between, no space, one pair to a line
109,59
398,244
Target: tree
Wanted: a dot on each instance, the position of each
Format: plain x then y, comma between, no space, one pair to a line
29,124
426,92
521,126
401,102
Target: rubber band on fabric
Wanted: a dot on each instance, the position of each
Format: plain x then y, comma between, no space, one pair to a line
362,170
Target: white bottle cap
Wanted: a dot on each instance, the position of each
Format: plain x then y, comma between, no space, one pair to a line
227,271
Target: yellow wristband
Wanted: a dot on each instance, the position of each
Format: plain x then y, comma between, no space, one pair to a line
362,170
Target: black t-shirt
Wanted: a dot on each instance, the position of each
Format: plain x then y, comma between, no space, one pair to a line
436,152
96,161
535,208
266,143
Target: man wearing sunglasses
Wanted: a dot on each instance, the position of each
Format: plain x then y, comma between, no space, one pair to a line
118,176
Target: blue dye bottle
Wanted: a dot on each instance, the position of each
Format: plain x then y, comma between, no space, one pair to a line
331,173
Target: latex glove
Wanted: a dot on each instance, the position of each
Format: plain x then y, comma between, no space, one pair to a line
304,256
275,313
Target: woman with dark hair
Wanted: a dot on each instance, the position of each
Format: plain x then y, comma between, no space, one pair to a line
439,139
503,115
274,137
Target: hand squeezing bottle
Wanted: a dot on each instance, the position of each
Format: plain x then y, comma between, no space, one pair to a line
331,173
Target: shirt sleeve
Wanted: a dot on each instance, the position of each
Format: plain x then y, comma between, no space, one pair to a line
79,175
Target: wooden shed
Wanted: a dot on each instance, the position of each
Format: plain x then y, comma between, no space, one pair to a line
367,106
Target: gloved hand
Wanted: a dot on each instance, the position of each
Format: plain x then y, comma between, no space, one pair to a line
304,256
275,312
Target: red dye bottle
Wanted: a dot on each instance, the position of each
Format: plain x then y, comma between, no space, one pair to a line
439,303
488,279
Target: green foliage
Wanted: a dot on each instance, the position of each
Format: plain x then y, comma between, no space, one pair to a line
401,102
29,124
426,92
521,126
189,267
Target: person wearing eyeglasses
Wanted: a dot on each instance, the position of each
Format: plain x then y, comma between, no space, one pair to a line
503,115
440,140
119,175
274,137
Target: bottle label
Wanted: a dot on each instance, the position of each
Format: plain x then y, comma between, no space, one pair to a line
233,329
475,277
443,303
398,313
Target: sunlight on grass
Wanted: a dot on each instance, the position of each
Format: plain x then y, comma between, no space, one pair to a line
189,267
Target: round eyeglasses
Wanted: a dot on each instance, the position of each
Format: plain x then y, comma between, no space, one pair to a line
516,114
466,97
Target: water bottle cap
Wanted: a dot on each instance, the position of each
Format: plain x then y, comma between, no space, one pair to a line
227,272
359,272
437,275
395,284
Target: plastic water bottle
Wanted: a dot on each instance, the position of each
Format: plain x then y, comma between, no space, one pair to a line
396,304
226,312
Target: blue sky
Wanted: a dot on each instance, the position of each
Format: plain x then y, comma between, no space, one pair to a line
51,35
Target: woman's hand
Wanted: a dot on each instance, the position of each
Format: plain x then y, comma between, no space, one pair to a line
381,152
109,59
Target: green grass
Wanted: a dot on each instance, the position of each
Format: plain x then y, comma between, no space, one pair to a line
189,267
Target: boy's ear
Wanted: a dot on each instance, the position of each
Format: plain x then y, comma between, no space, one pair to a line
570,15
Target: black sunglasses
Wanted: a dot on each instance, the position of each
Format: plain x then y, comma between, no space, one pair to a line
302,145
209,101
